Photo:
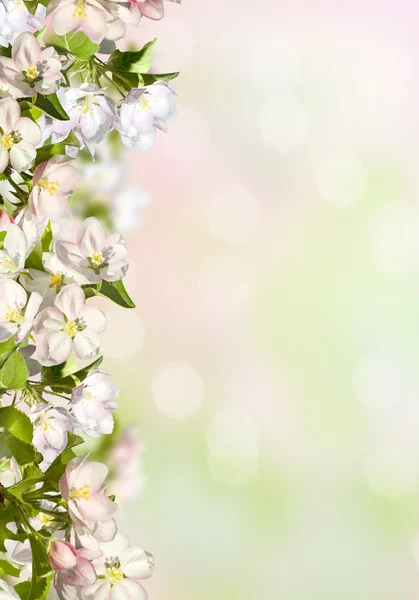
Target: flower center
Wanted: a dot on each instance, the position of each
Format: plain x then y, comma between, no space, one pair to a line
84,493
80,12
52,187
144,104
6,141
71,328
56,280
7,265
97,258
32,72
114,575
45,519
14,316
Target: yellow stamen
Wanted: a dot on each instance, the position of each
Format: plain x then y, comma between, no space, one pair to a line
80,12
114,575
6,141
14,316
84,493
144,104
52,187
71,328
32,72
97,258
7,265
45,519
56,280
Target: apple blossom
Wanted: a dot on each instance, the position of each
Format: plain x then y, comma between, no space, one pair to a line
82,487
143,111
96,255
70,324
69,562
50,427
15,18
89,16
16,249
120,570
152,9
5,220
92,115
54,182
49,282
17,313
92,401
18,137
30,70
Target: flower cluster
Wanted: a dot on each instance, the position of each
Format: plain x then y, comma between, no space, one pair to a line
58,101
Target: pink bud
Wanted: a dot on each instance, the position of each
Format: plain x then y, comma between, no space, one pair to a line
62,556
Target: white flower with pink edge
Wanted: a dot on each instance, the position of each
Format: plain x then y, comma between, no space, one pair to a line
96,255
18,137
120,570
17,313
92,402
69,325
30,70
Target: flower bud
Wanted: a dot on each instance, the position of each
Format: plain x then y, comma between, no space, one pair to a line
62,556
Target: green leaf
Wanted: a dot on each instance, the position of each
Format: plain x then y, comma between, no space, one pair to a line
56,469
17,423
23,453
34,261
114,291
31,111
77,44
132,62
7,515
43,154
22,589
39,35
149,78
41,570
57,372
127,81
14,373
52,106
46,239
7,568
6,349
79,376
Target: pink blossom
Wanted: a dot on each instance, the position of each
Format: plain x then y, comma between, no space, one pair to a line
19,136
152,9
69,562
92,402
89,16
17,313
31,70
83,488
54,182
69,325
96,255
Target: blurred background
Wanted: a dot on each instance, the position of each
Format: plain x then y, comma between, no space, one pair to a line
271,362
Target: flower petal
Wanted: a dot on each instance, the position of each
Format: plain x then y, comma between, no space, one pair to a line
86,344
49,319
137,564
25,51
55,349
93,318
71,301
128,590
22,156
9,114
29,130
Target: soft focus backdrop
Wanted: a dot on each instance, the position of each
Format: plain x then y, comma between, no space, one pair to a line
271,363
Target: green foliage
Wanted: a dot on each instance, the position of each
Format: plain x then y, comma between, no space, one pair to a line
34,261
46,152
7,568
16,436
115,291
17,423
41,570
8,515
56,469
55,373
6,349
150,78
46,239
132,62
51,106
14,373
77,44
